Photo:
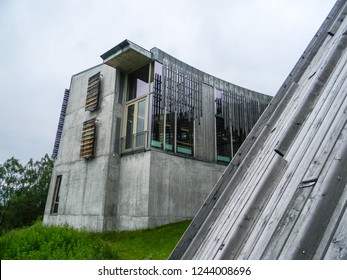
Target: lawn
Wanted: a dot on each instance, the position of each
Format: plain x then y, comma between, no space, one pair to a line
39,242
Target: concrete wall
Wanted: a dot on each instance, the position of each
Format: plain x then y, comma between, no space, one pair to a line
157,188
134,191
82,191
178,187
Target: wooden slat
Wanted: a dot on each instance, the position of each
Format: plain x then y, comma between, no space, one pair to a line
93,93
88,139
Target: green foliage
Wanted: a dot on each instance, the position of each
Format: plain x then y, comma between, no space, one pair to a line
53,243
62,243
23,191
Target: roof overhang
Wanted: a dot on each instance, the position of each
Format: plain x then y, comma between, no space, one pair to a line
127,57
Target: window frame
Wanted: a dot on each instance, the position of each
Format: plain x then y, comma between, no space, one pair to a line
56,195
134,133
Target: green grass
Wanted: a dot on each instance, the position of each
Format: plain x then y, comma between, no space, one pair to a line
150,244
63,243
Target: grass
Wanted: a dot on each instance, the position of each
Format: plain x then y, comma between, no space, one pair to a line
150,244
63,243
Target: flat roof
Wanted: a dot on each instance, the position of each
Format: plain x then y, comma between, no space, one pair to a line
127,56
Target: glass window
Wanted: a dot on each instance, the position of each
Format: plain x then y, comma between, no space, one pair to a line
170,132
140,127
138,83
218,99
238,137
129,127
223,136
135,134
157,124
185,134
157,109
55,200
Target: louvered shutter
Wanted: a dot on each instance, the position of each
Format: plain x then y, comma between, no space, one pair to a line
88,139
93,92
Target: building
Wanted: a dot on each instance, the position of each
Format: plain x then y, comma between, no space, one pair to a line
142,138
284,194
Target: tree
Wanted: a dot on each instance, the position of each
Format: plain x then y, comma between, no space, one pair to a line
23,191
10,173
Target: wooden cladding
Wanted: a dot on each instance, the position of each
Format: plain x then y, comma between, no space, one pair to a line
88,139
240,111
93,92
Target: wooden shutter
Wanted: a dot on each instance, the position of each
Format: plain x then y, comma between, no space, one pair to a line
88,139
93,92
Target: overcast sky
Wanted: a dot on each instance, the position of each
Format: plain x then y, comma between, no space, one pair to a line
251,43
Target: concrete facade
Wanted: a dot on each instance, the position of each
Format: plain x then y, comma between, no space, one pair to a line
120,165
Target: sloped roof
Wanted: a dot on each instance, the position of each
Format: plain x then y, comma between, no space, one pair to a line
284,196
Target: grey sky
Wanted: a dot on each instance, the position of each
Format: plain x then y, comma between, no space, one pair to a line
253,43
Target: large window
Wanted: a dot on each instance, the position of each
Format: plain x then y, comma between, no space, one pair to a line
138,83
185,134
157,108
170,132
175,103
140,123
136,126
136,120
223,135
129,127
239,137
223,139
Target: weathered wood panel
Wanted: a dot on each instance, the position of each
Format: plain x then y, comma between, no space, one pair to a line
285,195
93,92
88,139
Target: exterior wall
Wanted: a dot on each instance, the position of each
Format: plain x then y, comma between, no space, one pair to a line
178,187
134,191
82,191
157,188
